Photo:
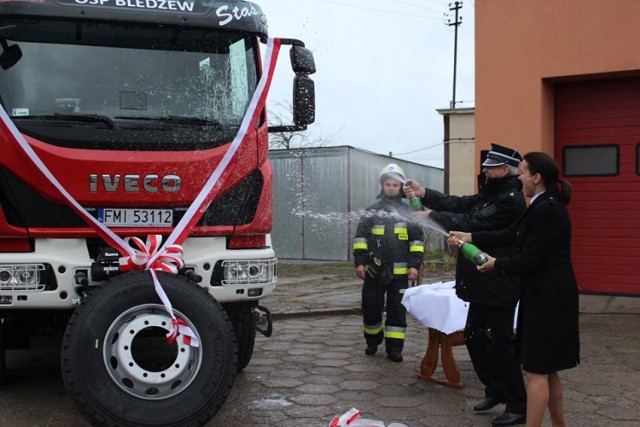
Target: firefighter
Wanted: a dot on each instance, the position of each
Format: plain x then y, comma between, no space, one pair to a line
388,249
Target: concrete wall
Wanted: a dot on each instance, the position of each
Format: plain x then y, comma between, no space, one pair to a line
460,145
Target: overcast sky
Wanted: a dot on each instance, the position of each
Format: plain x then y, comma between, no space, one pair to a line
384,67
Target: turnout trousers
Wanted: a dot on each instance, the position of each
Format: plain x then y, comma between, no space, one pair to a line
373,305
490,341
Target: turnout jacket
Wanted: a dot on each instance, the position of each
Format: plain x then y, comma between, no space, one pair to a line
387,232
497,205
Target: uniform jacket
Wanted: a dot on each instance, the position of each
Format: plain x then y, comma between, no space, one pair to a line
548,313
387,231
496,206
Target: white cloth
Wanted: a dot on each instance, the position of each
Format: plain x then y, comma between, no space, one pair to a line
436,306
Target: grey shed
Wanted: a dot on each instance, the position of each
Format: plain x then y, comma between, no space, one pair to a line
319,192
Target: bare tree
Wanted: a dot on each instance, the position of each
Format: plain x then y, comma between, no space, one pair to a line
294,139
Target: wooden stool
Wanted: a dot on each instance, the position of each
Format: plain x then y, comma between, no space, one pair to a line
444,342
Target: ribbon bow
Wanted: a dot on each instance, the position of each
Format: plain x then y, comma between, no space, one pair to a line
170,261
146,257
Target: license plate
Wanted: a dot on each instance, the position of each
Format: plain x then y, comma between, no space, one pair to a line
135,217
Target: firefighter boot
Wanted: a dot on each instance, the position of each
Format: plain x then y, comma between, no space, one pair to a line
394,356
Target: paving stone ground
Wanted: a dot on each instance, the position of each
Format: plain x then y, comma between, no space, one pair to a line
314,367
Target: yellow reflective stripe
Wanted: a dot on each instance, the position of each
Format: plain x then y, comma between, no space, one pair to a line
397,335
401,230
400,268
373,331
360,243
416,248
377,230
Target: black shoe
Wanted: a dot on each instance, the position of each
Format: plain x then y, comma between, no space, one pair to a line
509,419
394,356
371,350
487,404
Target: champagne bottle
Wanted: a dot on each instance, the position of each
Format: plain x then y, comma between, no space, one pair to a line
473,253
415,202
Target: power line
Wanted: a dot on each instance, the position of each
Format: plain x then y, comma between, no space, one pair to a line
419,7
390,12
440,2
465,30
421,149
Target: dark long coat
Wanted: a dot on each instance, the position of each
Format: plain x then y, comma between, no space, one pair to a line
548,339
498,204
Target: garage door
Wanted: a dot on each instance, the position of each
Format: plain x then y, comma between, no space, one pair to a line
597,139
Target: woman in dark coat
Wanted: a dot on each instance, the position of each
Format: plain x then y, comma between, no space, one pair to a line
547,331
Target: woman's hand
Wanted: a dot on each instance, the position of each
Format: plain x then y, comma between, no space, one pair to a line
360,272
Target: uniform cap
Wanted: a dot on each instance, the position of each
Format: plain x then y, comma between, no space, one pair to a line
499,155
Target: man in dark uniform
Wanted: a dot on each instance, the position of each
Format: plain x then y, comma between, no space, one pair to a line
387,249
489,329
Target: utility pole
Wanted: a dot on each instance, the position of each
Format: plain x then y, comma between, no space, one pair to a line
456,6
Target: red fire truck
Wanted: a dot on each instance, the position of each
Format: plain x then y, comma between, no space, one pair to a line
123,121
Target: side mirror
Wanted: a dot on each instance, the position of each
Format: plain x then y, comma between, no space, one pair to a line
304,92
10,54
302,61
304,101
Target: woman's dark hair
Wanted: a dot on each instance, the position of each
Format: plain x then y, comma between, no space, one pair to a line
548,169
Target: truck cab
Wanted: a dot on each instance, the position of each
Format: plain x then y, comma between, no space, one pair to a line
130,105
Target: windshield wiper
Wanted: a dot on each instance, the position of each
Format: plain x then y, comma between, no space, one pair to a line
181,120
89,118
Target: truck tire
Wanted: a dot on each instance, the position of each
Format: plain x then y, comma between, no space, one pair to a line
241,315
119,368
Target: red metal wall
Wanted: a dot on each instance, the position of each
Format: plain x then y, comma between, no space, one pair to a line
605,210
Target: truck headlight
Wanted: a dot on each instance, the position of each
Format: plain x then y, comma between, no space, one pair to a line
248,272
21,277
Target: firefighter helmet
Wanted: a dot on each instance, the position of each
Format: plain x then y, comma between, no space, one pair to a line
394,171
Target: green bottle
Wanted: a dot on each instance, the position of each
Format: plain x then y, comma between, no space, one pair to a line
473,253
415,202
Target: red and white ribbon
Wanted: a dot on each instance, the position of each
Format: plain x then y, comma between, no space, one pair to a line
10,133
216,181
170,261
345,419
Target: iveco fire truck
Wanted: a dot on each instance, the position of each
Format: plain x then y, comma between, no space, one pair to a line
136,196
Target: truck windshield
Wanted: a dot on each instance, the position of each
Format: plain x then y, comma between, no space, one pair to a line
111,86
